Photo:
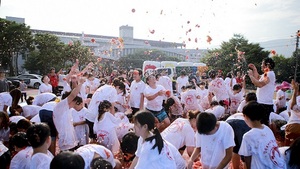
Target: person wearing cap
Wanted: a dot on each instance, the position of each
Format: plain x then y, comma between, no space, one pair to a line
182,80
136,96
4,85
265,84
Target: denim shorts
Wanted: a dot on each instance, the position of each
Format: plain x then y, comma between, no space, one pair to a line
160,115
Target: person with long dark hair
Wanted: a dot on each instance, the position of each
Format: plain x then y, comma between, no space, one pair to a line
152,151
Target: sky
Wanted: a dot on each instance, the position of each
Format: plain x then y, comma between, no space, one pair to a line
171,20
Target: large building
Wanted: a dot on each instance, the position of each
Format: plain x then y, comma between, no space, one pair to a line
113,47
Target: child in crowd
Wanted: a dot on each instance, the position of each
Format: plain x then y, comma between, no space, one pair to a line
105,127
215,142
78,114
189,99
24,152
236,95
39,138
100,163
259,145
128,146
152,151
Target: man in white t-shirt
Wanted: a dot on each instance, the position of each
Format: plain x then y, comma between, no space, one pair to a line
265,84
62,118
182,80
215,142
136,96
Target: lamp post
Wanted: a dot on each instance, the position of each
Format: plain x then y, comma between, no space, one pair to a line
296,54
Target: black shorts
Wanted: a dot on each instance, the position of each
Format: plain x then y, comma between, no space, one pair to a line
91,131
240,128
267,112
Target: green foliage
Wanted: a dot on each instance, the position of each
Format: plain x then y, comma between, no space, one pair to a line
136,60
15,39
51,52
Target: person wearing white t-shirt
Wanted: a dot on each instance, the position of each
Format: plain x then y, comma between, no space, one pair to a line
265,84
5,101
216,109
181,81
165,81
154,95
45,87
62,118
281,96
38,136
121,98
81,129
236,95
259,145
229,81
30,111
105,127
217,86
136,96
152,151
24,152
214,141
189,99
180,133
41,99
91,151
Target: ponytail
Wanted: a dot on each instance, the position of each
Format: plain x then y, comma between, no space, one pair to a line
159,142
102,106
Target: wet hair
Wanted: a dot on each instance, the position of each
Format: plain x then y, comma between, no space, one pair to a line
5,120
294,154
148,78
145,117
254,111
100,163
19,140
170,102
269,62
67,159
23,124
78,100
116,82
206,122
129,143
29,100
193,114
37,134
212,73
236,87
251,97
103,105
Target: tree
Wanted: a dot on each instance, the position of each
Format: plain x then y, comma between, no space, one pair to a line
136,60
235,55
15,39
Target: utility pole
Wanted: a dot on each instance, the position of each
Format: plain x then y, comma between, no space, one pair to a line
296,54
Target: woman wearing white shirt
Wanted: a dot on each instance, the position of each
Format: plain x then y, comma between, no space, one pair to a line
45,86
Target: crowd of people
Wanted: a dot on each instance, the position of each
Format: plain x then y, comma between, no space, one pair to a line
125,120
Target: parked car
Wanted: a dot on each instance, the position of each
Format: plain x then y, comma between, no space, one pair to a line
32,80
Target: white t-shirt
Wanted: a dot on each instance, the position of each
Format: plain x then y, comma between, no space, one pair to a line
121,102
166,82
16,119
217,86
227,83
261,145
189,99
217,110
265,94
241,106
285,115
80,130
149,158
235,100
181,81
63,121
136,89
179,161
41,161
106,92
30,111
155,104
43,98
22,159
45,88
3,149
213,147
5,100
180,133
94,84
88,151
105,129
273,116
124,128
